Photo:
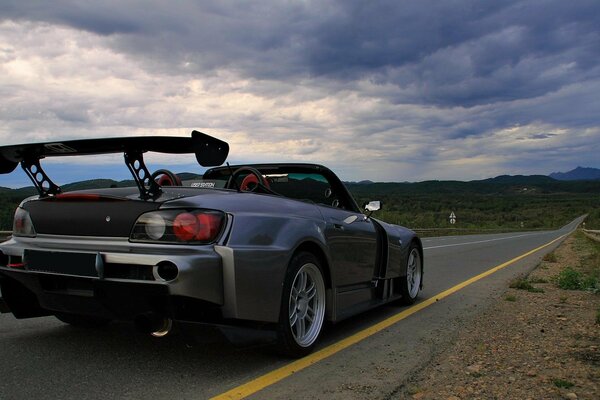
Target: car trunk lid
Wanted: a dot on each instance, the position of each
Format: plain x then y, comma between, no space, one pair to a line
107,213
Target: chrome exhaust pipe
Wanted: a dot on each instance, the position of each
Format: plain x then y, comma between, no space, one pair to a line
165,328
154,324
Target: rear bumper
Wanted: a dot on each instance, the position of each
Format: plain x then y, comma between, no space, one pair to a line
3,306
28,293
128,285
243,283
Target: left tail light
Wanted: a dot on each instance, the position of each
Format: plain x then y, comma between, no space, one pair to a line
179,226
22,225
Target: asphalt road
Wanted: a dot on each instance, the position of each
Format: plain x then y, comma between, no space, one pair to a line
44,359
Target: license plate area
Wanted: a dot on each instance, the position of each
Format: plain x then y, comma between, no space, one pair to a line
78,264
67,285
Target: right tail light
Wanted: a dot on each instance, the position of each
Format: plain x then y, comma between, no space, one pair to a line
179,226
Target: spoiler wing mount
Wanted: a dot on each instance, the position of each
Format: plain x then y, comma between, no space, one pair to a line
142,177
42,182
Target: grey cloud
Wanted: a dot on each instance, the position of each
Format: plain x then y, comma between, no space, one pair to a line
451,53
434,73
541,136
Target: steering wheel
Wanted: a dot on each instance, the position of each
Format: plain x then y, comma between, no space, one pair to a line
251,182
164,177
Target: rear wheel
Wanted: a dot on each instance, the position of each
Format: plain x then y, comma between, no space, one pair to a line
82,321
410,284
302,306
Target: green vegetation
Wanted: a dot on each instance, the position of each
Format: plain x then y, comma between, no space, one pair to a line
570,279
510,297
586,275
9,200
593,219
561,383
503,203
550,257
522,283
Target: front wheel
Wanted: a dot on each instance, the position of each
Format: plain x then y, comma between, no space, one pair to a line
302,306
410,284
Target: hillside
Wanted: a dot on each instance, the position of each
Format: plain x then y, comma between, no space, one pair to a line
501,203
578,174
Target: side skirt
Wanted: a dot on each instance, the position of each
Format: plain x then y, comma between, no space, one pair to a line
356,299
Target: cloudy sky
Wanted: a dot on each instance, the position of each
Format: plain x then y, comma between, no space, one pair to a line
381,90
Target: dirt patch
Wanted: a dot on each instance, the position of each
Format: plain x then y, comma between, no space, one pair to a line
537,342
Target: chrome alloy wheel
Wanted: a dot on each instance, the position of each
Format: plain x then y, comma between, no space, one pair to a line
307,305
413,273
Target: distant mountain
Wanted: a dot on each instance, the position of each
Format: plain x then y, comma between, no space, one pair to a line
519,179
578,174
90,184
503,184
500,185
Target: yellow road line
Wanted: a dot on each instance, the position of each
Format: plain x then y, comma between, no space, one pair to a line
274,376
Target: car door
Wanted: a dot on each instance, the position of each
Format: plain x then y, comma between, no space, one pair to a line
352,241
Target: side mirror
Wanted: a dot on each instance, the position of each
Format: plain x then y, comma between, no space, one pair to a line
373,206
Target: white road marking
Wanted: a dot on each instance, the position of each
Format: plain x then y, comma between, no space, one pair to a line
480,241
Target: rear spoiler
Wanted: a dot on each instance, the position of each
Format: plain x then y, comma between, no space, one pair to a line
209,151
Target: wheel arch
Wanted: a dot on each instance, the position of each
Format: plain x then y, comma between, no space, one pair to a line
317,251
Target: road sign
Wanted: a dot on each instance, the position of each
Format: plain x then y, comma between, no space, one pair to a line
452,218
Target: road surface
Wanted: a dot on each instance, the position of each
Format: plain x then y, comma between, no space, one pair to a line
43,358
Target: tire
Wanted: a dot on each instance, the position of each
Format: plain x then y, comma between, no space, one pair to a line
410,283
303,305
82,321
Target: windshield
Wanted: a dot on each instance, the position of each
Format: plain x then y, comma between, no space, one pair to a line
301,182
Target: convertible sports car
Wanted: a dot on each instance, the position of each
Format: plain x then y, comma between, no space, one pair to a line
276,246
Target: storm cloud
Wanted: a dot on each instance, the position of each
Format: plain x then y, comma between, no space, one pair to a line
383,90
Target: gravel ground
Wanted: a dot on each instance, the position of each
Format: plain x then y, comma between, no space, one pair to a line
538,344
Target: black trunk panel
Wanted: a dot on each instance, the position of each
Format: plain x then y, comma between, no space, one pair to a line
87,218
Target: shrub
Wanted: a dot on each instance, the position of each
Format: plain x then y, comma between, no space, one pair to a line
524,284
569,279
521,284
561,383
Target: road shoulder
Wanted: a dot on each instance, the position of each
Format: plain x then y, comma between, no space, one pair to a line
541,342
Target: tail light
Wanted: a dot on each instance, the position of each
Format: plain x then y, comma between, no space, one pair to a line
179,226
22,225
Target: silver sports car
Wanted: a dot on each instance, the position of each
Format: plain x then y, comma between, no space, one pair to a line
282,247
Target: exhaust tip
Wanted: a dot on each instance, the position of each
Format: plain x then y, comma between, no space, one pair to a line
165,271
167,325
154,324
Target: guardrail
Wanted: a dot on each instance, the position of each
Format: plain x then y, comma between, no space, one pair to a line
594,235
